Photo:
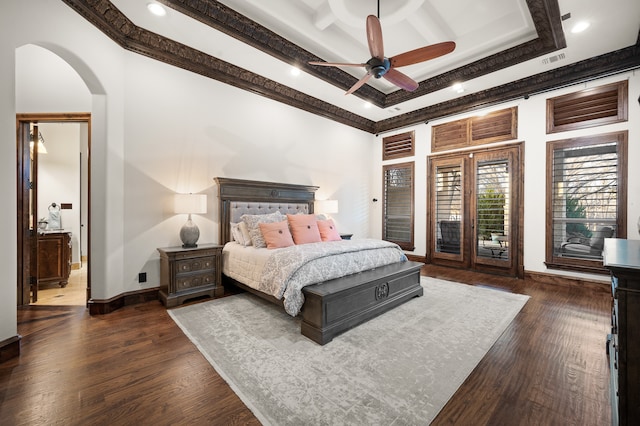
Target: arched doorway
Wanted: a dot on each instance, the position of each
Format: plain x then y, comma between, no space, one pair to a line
45,81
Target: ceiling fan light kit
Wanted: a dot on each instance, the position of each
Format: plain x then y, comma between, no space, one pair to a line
379,66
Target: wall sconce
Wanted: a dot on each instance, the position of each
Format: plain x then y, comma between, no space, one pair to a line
190,203
325,206
41,147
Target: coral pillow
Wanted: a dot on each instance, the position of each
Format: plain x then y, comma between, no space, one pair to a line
304,228
276,235
328,231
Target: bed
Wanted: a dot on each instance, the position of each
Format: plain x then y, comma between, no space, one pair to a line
331,305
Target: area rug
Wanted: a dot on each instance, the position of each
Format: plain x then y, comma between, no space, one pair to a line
397,369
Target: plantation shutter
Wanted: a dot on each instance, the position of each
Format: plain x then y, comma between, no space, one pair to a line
492,207
397,223
591,107
585,199
397,146
448,208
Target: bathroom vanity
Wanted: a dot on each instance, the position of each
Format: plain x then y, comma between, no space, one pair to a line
54,257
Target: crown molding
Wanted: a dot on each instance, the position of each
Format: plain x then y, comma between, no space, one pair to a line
112,22
545,13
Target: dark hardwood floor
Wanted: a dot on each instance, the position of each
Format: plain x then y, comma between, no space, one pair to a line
135,366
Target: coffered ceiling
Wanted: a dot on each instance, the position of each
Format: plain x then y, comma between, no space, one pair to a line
505,49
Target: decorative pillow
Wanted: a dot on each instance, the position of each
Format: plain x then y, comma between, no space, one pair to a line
234,230
252,221
276,234
328,231
304,228
240,233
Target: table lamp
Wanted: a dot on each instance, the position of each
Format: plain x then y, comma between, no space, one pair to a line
326,207
190,203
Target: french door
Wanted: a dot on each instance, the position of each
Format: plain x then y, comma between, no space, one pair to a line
475,210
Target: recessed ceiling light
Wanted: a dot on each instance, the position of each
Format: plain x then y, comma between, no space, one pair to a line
295,71
156,9
458,88
580,27
367,105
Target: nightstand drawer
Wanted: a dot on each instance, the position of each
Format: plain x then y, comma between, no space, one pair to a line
192,281
193,265
191,253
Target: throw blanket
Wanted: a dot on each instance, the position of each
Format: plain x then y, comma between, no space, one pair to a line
289,269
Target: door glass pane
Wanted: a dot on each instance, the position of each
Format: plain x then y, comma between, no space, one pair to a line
492,209
448,209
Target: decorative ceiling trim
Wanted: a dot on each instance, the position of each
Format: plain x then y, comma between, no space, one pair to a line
224,19
111,21
545,14
579,72
108,19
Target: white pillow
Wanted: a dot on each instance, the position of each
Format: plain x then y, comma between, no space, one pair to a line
240,233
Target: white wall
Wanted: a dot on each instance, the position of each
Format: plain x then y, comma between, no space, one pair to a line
531,130
178,137
8,262
157,130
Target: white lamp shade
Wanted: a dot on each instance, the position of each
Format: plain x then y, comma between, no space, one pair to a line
325,206
190,203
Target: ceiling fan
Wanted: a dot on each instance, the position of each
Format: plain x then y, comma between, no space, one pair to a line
381,66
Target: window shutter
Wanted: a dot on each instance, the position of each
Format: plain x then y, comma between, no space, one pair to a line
588,108
497,126
448,208
398,146
397,223
450,135
587,196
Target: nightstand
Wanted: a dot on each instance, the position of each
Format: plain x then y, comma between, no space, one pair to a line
186,273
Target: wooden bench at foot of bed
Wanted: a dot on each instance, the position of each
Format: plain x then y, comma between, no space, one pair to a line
335,306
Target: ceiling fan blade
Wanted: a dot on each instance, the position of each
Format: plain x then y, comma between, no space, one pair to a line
360,82
374,37
401,80
422,54
335,64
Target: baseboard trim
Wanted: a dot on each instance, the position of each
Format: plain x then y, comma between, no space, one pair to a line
415,258
10,348
555,279
106,306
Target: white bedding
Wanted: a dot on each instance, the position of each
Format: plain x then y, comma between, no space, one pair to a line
283,273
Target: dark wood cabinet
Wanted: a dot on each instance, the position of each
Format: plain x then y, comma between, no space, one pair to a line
186,273
54,257
622,258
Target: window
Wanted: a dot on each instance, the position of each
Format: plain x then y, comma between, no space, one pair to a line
397,220
596,106
398,146
586,199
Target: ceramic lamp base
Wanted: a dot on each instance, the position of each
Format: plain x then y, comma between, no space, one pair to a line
189,234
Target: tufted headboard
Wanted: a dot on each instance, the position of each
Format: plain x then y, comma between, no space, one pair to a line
238,197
